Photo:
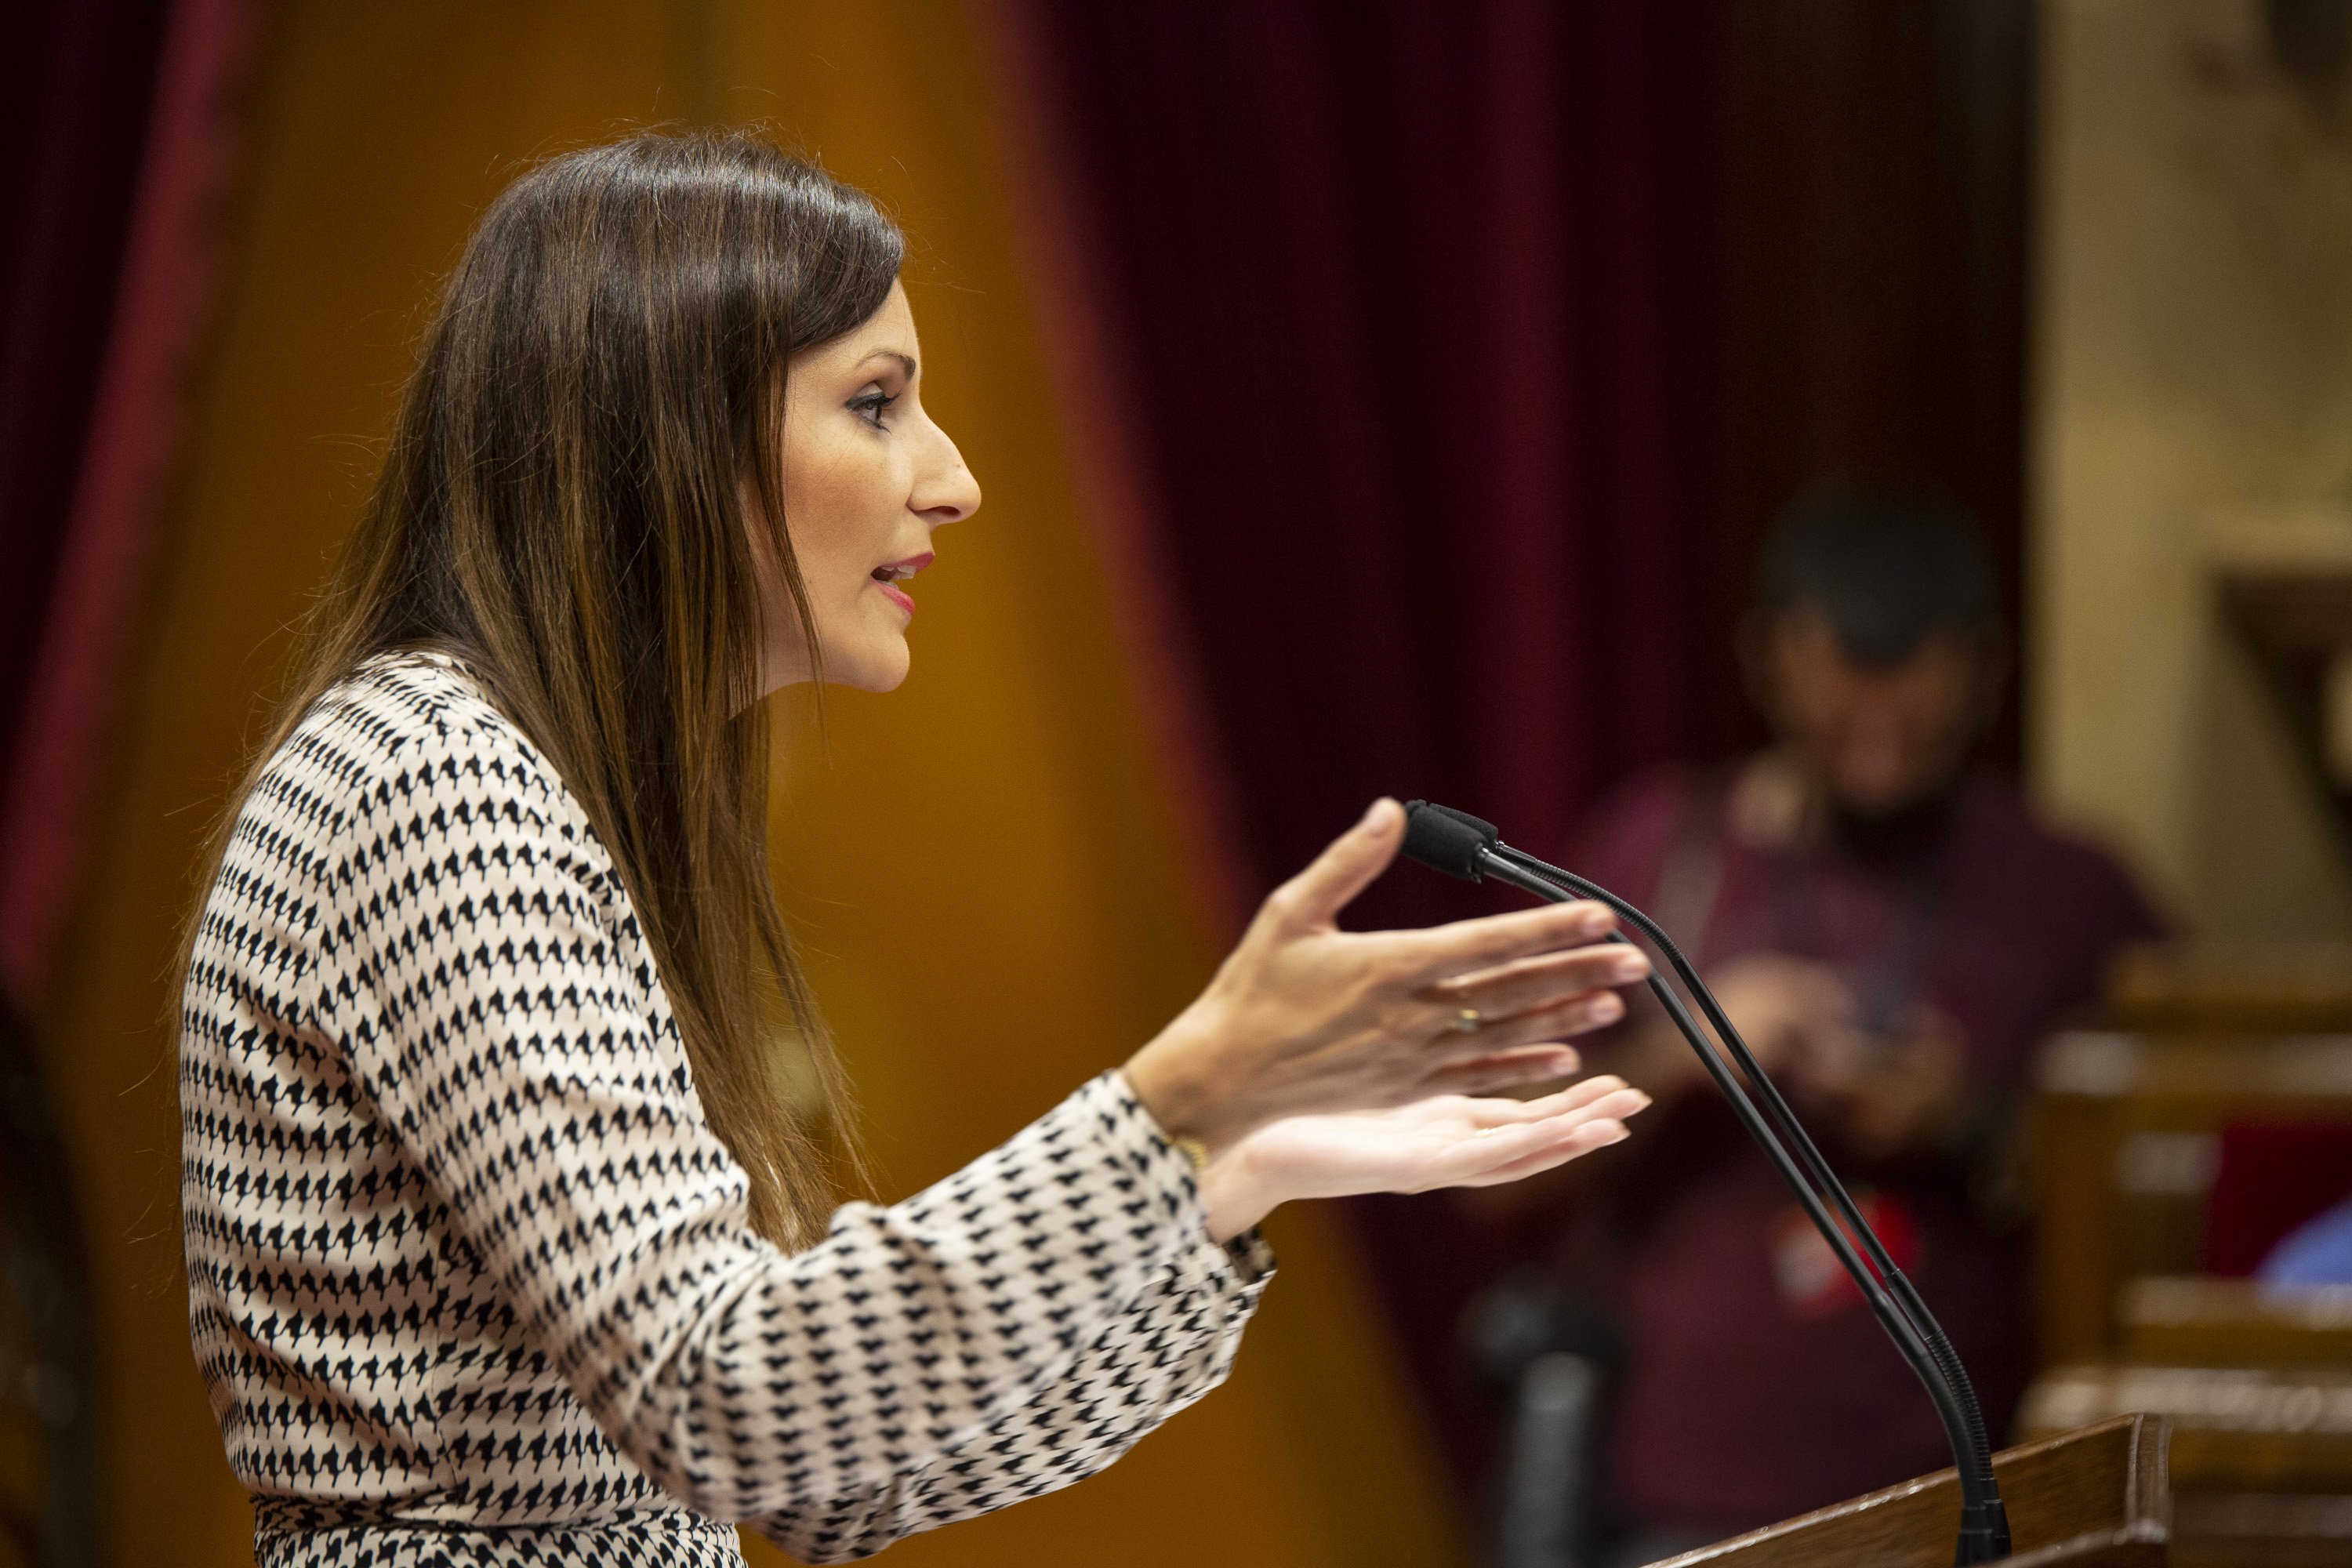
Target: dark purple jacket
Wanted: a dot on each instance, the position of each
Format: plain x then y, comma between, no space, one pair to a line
1741,1404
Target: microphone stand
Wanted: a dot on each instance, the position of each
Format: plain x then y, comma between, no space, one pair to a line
1463,846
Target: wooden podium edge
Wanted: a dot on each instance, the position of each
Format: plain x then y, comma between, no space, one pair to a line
2144,1533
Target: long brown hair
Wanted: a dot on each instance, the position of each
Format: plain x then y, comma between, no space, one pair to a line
560,509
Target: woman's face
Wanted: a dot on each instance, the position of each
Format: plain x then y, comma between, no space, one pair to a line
867,477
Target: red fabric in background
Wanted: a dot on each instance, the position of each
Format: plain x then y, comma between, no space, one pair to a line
94,472
75,79
2269,1179
1466,350
1413,308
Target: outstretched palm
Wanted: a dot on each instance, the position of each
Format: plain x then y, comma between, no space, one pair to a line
1447,1141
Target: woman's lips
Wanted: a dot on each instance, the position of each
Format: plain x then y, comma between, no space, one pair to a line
888,578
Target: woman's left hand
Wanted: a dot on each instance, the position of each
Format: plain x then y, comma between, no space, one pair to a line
1448,1141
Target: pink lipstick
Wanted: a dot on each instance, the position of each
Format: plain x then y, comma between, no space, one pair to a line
889,577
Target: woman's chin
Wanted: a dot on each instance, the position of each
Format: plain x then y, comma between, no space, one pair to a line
872,669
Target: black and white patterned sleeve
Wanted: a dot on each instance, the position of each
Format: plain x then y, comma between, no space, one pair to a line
1163,1354
999,1334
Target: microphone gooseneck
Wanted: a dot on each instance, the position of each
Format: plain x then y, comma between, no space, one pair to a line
1472,849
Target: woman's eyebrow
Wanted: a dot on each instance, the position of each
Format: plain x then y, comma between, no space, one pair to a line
906,361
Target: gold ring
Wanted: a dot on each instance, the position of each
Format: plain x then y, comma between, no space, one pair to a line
1466,1022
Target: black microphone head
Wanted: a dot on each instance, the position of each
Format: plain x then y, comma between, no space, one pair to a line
1488,830
1446,840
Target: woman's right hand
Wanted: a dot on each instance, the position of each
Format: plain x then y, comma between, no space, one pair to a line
1304,1018
1447,1141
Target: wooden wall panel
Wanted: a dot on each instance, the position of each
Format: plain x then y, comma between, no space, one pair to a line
986,867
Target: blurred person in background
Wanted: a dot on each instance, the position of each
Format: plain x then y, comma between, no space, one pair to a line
1893,929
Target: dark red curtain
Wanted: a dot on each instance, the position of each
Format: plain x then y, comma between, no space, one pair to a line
1417,307
1414,301
74,97
124,122
1465,352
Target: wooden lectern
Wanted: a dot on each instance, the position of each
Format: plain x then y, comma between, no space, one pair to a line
2096,1496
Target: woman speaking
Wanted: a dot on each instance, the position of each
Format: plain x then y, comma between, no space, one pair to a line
510,1237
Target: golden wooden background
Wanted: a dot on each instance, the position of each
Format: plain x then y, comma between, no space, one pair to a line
987,867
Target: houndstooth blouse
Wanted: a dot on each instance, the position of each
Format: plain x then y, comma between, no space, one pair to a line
470,1278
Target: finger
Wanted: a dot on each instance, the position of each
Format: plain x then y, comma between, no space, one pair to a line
1607,952
1556,1140
1318,893
1620,1104
1545,1026
1538,982
1476,1161
1491,1073
1588,1138
1463,947
1576,1096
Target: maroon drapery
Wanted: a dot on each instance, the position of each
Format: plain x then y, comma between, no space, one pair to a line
1414,309
1461,354
109,260
78,79
1414,304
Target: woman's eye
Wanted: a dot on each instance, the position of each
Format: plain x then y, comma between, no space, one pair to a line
871,405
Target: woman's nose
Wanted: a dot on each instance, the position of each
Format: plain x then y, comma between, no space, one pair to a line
948,492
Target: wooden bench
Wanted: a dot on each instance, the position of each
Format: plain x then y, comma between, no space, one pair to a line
2257,1390
2127,1125
2124,1130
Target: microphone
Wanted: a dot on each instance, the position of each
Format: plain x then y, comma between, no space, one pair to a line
1472,849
